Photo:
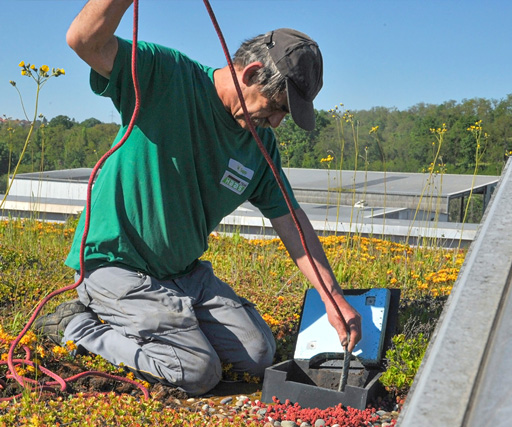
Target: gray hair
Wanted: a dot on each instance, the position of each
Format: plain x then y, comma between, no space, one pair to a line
269,77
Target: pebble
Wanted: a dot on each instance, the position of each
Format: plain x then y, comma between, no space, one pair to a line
319,423
226,400
262,411
287,423
305,424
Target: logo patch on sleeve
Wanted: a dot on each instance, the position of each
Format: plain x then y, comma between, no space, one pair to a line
235,184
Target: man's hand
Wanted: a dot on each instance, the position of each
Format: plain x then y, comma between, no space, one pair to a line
352,320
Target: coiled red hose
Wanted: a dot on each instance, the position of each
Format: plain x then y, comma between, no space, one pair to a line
23,381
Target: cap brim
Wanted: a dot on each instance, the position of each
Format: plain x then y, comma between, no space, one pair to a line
302,111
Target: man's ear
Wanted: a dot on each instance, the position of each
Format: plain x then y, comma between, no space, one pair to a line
249,71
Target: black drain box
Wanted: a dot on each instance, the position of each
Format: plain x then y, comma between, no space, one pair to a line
312,378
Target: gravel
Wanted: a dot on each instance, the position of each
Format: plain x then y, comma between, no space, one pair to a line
286,414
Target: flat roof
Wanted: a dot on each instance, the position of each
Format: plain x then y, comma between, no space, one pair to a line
371,182
391,183
78,174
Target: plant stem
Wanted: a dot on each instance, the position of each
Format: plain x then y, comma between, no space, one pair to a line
24,147
22,104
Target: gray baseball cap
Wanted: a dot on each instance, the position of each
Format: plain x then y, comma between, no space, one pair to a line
298,59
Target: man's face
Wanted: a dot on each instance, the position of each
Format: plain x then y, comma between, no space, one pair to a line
263,112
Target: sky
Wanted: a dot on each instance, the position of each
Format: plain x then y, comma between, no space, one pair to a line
377,53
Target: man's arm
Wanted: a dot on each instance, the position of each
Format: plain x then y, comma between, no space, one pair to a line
91,35
285,228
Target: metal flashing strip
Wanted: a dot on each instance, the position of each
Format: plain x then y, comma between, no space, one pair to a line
465,375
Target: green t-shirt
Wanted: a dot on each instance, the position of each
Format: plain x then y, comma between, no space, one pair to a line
186,165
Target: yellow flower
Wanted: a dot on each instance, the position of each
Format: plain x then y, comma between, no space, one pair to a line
70,345
29,338
23,73
45,68
327,159
35,421
20,371
22,64
270,320
59,351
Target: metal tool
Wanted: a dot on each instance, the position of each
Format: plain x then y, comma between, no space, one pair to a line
346,369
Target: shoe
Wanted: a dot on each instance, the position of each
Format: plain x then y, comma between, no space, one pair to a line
54,324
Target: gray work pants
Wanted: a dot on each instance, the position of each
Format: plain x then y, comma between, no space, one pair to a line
177,332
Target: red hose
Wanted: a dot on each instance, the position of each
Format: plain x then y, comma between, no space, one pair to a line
23,381
273,167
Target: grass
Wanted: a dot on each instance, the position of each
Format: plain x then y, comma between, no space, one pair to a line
31,266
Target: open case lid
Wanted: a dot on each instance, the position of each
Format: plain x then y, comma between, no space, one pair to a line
316,335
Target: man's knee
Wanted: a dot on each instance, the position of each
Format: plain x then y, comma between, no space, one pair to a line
259,358
201,376
261,347
194,380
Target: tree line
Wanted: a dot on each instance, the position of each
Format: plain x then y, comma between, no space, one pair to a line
61,143
405,140
377,139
